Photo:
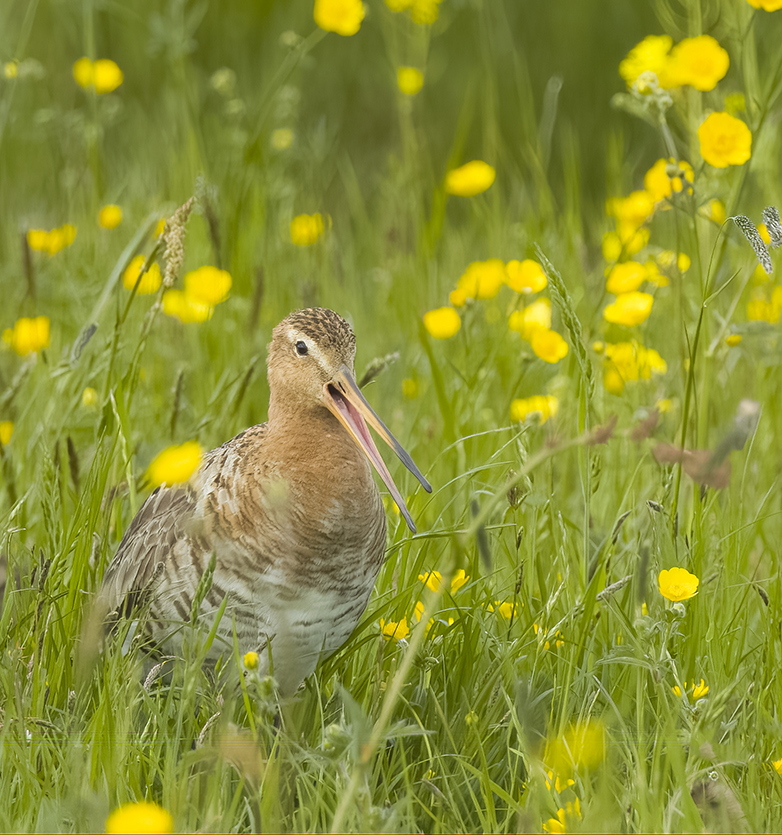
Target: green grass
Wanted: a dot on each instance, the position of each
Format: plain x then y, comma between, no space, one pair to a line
454,729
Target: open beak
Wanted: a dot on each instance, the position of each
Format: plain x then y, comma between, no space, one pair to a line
344,400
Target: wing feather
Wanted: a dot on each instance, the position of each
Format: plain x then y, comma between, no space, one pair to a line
174,525
133,574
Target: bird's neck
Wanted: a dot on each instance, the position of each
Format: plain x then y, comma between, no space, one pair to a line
285,409
326,472
311,433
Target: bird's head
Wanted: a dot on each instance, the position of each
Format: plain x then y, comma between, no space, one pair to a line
310,364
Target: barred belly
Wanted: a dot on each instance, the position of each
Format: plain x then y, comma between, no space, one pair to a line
290,628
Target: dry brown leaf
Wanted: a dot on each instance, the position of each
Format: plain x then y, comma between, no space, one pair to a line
603,434
644,428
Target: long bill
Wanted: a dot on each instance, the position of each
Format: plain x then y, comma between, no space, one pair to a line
344,400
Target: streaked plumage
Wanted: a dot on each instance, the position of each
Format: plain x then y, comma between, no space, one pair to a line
289,508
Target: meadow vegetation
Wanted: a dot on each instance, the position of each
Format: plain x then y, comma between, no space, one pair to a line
525,211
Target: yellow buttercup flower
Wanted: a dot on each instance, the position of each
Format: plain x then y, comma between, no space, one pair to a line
175,464
179,305
649,363
425,12
442,323
650,55
772,302
768,6
525,276
631,213
110,216
11,69
52,241
82,72
695,691
558,642
677,584
433,579
394,630
61,237
422,12
732,340
548,345
6,431
627,362
208,285
624,356
764,235
102,75
281,138
656,181
38,240
559,784
582,746
28,336
540,406
459,579
777,765
633,240
341,16
715,210
613,382
410,80
632,210
151,280
251,660
761,309
654,276
409,388
470,179
724,140
534,316
140,818
625,277
419,613
503,607
306,229
560,823
629,309
89,397
106,75
612,246
668,259
698,62
457,297
160,227
666,177
483,279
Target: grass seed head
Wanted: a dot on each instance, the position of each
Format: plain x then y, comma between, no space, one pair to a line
174,236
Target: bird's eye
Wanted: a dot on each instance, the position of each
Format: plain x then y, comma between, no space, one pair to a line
301,347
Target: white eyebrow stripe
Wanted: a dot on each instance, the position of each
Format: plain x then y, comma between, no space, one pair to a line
312,348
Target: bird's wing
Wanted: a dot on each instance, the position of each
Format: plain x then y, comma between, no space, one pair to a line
175,531
131,577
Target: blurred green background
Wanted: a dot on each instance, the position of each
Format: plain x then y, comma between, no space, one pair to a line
165,125
526,86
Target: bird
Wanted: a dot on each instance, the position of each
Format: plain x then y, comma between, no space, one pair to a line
286,514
